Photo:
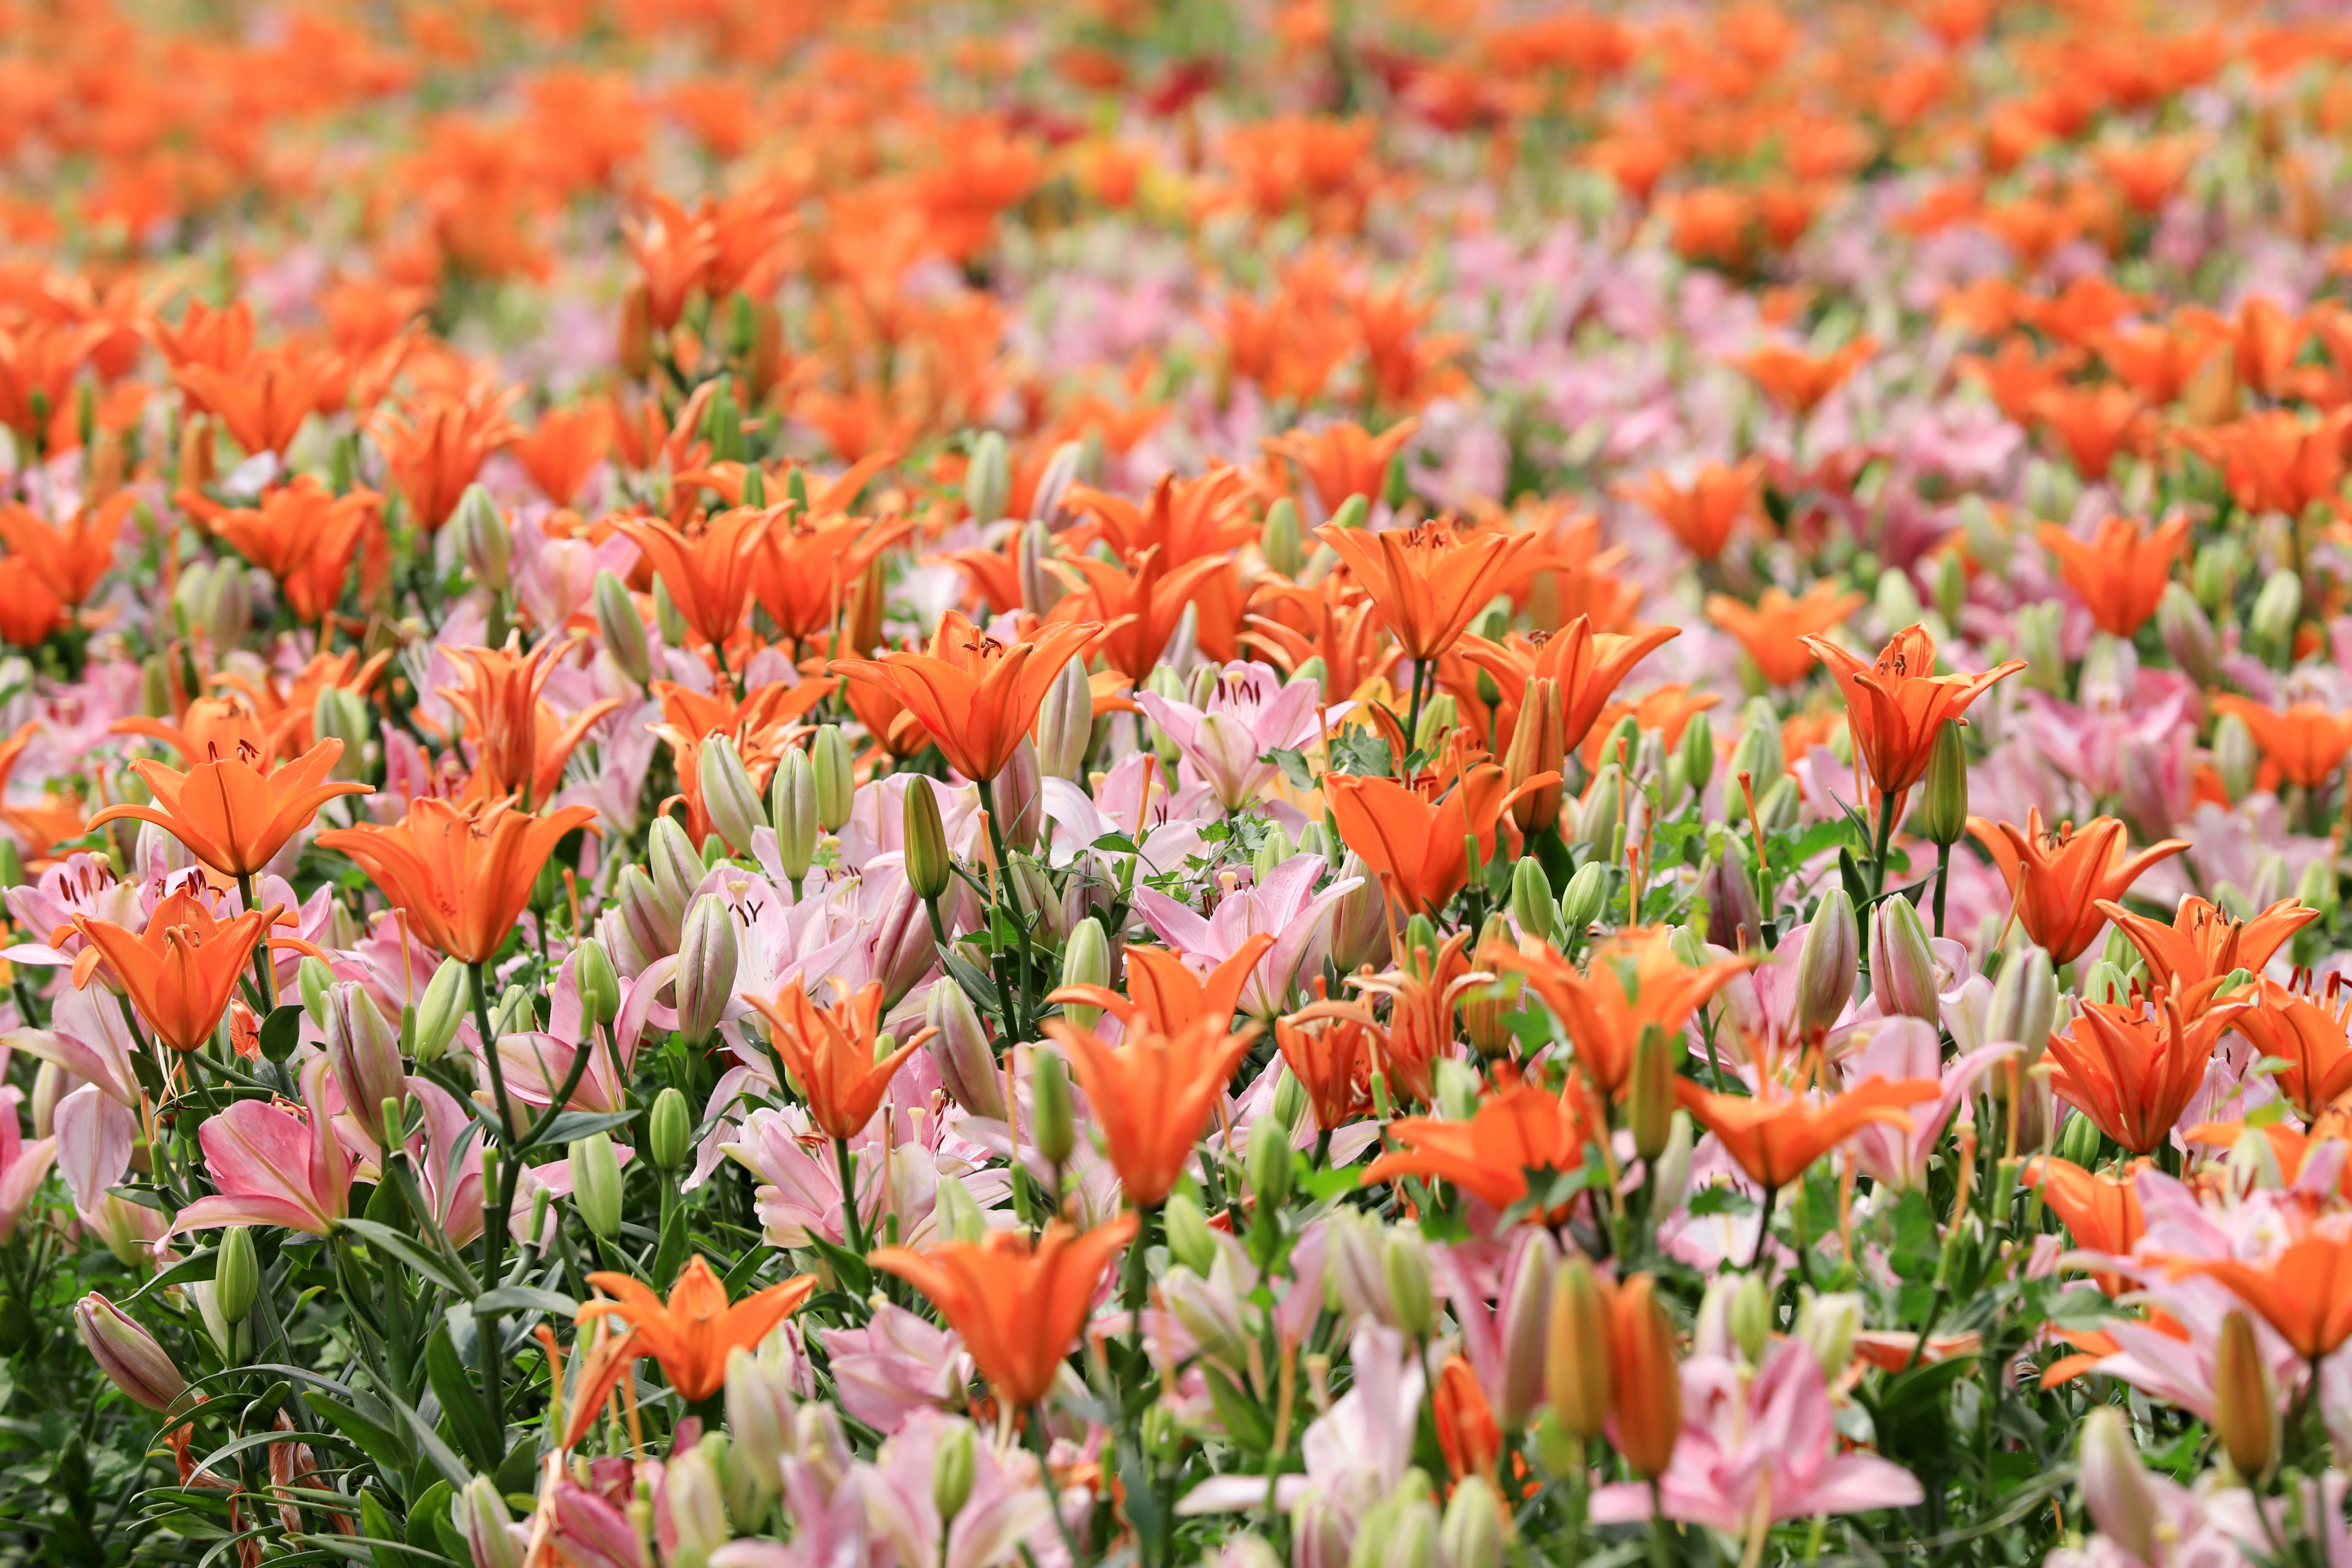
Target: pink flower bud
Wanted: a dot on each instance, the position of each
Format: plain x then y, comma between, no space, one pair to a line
365,1055
128,1353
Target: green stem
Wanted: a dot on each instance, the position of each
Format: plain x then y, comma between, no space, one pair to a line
853,1225
1004,900
1943,881
1879,850
265,976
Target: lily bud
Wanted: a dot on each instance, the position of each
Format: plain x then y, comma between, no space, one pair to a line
312,979
676,868
1353,512
2188,635
1439,716
1086,962
2037,643
1777,810
2245,1403
479,1514
1598,814
1524,1323
1050,1113
792,801
1266,1163
728,797
670,1131
1827,1326
2104,983
1471,1534
1066,724
987,479
621,629
697,1496
365,1056
707,960
836,780
1943,814
1577,1366
1537,747
483,541
1290,1103
1030,550
1579,901
2024,1005
1650,1100
1902,966
1669,1173
2116,1492
958,1216
759,1418
1060,470
1647,1384
1734,918
1275,849
1531,900
1698,752
1353,1274
954,1463
237,1275
666,617
596,1184
600,988
2235,757
1737,1307
1280,540
1019,795
968,1068
926,839
1034,892
1360,929
1759,754
2277,607
647,919
1827,962
1483,1006
1400,1529
339,713
1190,1241
440,1012
223,608
127,1353
1404,1267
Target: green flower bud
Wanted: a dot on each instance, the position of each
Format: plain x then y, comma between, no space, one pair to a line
708,957
1086,962
2024,1004
363,1055
2277,607
760,1425
836,780
2080,1143
2213,575
957,1213
672,625
1650,1100
1778,811
339,713
2236,758
1759,754
1902,965
696,1491
1353,512
1267,1163
676,868
483,541
1271,853
1454,1084
1050,1111
1943,814
2188,637
1579,901
791,803
987,479
312,979
1597,816
1066,724
1190,1241
2317,889
1828,962
621,629
1439,718
2037,643
237,1275
1749,1316
1290,1098
926,838
1827,1325
596,1184
1670,1172
479,1514
600,988
2104,983
670,1131
1313,669
1280,542
1952,587
439,1011
1404,1263
728,797
648,924
723,425
1471,1534
1531,900
953,1464
1034,894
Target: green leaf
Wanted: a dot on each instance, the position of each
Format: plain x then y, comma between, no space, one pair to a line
570,1125
432,1504
195,1265
280,1031
434,1267
521,1299
1294,767
369,1428
1243,1419
468,1414
669,1256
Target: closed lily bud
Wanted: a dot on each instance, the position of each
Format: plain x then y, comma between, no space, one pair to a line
2116,1491
728,796
1579,901
2236,759
1943,814
676,866
2188,635
1650,1099
1902,966
926,839
1538,747
2277,607
1019,795
1086,962
1645,1381
1404,1267
957,1216
1275,849
1439,716
954,1461
2038,627
1747,1314
1280,542
1050,1111
2024,1005
647,919
1066,724
440,1011
2253,1164
1471,1533
127,1353
836,780
1061,471
596,1184
2316,887
479,1514
621,629
670,1131
1577,1355
312,979
1266,1163
1401,1529
697,1495
987,478
600,988
365,1056
237,1275
1827,962
1525,1321
759,1418
1597,816
1698,752
1778,809
1532,901
1190,1241
968,1068
2245,1402
707,960
2104,983
1033,891
483,541
1827,1325
1030,550
51,1084
1669,1173
1360,927
339,713
667,619
1734,918
1759,754
792,801
1483,1006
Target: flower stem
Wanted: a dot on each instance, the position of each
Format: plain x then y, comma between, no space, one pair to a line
853,1228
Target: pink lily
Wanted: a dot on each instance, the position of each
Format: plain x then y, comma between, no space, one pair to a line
273,1164
22,1165
1897,1049
1251,713
895,1367
1285,904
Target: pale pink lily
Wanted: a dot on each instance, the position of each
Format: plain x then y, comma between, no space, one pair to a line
1758,1447
22,1165
1898,1049
94,1137
897,1367
536,1063
88,1038
272,1164
1251,713
1357,1452
1286,905
1004,1508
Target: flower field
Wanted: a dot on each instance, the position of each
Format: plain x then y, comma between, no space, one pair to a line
1358,783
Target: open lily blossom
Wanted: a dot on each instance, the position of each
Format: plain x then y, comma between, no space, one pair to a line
1424,783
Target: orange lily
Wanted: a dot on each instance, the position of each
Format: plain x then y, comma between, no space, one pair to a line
2061,879
2134,1072
284,704
2306,742
264,401
1152,1093
231,809
1185,520
2304,1290
1427,580
2093,423
565,448
977,697
1167,995
437,444
2202,943
1519,1128
1798,381
1332,1058
519,743
29,609
182,971
1467,1434
2102,1212
1895,705
1138,602
803,567
2272,461
303,533
2121,571
1705,513
1774,629
1587,665
761,725
71,557
463,874
1343,458
694,1332
1634,981
830,1052
1334,620
707,566
1409,835
2305,1034
1019,1306
1776,1138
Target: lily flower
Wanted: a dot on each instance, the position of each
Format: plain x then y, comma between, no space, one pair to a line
1895,704
1519,1130
978,696
1775,1136
1705,513
693,1332
22,1165
1019,1306
2204,942
519,742
231,809
1412,834
2120,572
706,565
301,533
463,877
2133,1067
274,1164
69,558
181,971
1633,982
2100,1211
1430,580
1285,907
1250,715
1152,1093
2063,879
832,1052
1587,664
2305,741
1773,630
